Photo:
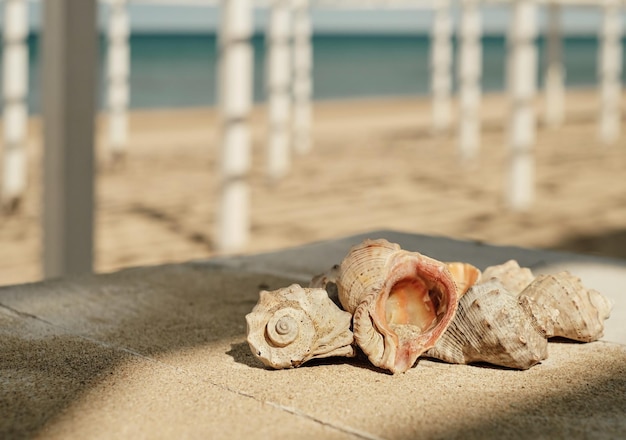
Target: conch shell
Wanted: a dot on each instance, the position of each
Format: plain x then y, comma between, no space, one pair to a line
564,307
401,301
513,277
292,325
490,326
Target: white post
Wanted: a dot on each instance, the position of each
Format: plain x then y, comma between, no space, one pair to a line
15,89
235,102
470,64
522,71
118,70
555,72
302,76
441,66
278,88
69,49
610,72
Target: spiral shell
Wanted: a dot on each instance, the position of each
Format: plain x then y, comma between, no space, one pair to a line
292,325
513,277
490,326
566,308
401,301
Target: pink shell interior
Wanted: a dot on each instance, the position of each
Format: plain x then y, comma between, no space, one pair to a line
420,302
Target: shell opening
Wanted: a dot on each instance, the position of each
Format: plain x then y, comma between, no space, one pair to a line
412,301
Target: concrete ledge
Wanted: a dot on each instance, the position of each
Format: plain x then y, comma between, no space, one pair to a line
160,352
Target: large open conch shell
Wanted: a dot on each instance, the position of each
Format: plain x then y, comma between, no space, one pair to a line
465,276
292,325
490,326
566,308
401,301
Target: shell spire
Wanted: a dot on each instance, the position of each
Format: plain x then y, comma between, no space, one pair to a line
401,301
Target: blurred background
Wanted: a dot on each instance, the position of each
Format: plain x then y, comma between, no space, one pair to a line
374,162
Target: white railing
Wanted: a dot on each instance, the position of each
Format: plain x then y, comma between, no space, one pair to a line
15,112
67,224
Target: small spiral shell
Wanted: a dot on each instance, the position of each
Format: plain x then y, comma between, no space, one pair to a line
290,326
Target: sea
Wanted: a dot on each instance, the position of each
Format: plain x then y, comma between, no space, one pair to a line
179,70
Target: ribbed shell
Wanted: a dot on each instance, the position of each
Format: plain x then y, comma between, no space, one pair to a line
513,277
566,308
361,271
292,325
490,326
366,279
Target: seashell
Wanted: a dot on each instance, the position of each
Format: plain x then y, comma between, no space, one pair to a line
513,277
290,326
401,301
465,276
490,326
564,307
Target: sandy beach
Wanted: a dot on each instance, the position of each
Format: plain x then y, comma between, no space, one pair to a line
374,164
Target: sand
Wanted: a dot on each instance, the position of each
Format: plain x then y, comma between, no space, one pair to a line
375,164
161,352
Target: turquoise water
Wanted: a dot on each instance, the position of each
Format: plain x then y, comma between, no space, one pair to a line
179,70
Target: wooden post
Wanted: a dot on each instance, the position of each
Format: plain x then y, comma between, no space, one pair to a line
441,66
69,102
522,71
302,76
610,72
235,102
555,73
118,57
278,88
470,63
15,89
